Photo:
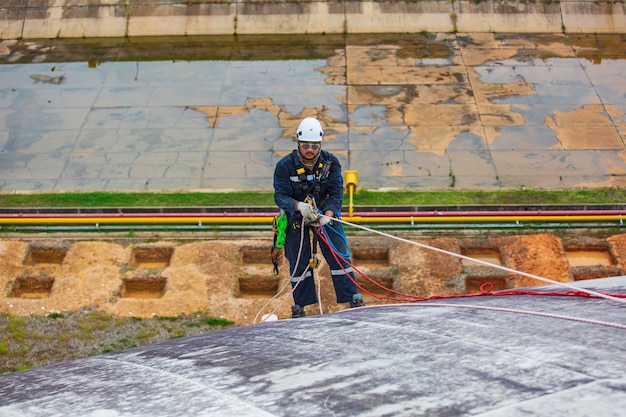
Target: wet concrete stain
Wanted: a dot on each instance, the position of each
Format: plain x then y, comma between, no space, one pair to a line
430,111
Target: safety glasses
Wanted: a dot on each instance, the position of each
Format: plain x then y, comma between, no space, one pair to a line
313,146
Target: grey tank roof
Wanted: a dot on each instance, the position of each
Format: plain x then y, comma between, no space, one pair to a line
516,355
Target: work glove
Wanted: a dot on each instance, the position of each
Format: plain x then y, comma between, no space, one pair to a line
324,220
309,213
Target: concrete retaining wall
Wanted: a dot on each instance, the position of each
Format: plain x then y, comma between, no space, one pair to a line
114,18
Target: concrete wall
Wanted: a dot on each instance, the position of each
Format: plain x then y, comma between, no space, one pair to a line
113,18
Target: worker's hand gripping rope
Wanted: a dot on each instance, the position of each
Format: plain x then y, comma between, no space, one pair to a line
309,213
320,220
323,220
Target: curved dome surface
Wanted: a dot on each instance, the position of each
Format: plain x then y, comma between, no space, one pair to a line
514,355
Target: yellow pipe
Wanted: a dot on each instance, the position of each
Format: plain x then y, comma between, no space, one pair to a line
351,180
481,219
350,207
213,220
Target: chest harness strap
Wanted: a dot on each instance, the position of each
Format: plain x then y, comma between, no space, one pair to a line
311,182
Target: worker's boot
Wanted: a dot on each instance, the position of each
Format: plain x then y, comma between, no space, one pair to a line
297,312
357,301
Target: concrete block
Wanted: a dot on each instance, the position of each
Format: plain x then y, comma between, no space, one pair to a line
594,17
110,18
43,22
507,16
93,22
292,17
157,20
74,21
11,21
215,18
399,17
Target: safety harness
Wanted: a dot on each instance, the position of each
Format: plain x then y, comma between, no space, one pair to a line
311,182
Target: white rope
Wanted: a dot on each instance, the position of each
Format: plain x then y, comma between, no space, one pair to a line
503,268
319,291
276,296
424,246
317,276
506,310
288,281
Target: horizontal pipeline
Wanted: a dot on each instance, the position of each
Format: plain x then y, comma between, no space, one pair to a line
266,218
228,214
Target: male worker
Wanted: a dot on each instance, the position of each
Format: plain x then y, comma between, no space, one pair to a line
306,180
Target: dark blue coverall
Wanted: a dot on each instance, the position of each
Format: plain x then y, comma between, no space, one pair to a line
327,188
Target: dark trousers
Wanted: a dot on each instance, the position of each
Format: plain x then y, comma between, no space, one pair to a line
341,272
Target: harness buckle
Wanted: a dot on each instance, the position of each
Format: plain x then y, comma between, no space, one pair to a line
314,262
309,199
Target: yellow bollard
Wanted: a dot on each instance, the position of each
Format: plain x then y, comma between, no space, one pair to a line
351,180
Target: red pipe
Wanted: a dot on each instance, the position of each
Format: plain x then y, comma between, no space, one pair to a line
492,213
132,215
435,213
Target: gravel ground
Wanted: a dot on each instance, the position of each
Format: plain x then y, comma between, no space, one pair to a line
31,342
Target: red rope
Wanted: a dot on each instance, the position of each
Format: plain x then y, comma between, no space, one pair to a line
486,289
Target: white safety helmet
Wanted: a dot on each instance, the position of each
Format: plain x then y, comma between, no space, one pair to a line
310,130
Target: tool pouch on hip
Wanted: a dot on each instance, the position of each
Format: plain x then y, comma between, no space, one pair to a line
279,227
